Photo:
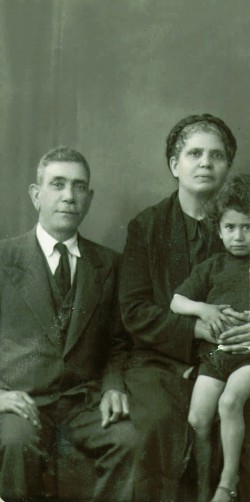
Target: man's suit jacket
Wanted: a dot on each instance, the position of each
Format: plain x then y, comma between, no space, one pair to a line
32,357
156,261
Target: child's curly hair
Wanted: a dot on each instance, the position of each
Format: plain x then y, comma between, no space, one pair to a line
234,194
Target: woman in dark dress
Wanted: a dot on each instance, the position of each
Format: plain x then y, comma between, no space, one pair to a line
164,242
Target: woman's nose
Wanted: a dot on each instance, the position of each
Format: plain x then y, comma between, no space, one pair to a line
205,160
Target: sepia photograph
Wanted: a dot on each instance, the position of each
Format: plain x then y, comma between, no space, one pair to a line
125,251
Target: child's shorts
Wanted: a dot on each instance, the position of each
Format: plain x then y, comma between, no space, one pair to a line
219,364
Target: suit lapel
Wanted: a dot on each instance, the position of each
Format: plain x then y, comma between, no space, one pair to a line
29,276
90,276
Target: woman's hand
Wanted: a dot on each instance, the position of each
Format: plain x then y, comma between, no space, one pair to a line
237,338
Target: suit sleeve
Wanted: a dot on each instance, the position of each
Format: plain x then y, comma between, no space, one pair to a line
120,342
150,324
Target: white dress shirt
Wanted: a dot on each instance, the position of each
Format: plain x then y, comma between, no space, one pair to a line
47,243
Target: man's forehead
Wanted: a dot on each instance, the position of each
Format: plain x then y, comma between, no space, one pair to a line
66,169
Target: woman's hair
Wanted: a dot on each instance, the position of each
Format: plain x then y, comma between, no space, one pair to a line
196,123
234,194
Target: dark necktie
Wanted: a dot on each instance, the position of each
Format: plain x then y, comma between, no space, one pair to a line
62,273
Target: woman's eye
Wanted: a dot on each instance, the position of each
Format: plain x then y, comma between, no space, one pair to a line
218,155
195,153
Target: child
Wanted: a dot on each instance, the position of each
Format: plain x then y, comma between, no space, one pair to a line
224,378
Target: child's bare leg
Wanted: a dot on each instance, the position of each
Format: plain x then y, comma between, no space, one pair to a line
231,407
203,407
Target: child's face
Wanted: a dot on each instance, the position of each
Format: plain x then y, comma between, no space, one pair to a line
235,232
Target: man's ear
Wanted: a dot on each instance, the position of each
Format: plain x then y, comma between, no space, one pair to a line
89,200
173,164
34,191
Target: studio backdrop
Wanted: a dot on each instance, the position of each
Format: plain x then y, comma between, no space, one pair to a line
110,78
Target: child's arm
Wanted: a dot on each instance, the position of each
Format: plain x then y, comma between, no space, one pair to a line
211,314
182,305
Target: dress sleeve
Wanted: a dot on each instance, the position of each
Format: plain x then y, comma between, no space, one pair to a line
150,324
196,286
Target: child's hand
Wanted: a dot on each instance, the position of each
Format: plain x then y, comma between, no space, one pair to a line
213,315
235,318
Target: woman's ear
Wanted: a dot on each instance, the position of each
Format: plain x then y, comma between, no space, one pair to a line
173,164
34,191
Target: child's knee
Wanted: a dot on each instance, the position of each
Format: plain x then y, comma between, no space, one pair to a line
228,404
199,423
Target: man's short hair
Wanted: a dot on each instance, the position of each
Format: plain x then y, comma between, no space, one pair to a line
61,154
195,123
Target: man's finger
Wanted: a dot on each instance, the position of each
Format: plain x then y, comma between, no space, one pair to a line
15,408
25,403
28,399
105,412
115,417
125,405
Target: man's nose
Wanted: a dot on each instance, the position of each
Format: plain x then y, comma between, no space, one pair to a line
68,193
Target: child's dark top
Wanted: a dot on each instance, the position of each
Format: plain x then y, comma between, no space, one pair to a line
222,279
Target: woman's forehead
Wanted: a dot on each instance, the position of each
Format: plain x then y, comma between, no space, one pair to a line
203,139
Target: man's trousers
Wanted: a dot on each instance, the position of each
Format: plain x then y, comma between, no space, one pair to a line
25,451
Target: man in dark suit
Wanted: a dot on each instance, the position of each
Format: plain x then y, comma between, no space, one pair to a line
62,343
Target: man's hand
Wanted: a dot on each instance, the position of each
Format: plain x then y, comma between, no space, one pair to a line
237,339
203,331
21,404
114,407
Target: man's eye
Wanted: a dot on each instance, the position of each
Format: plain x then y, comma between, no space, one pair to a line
57,184
246,227
80,187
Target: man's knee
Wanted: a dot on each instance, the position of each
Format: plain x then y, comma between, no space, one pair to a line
17,433
124,436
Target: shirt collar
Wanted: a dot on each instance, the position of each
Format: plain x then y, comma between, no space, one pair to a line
47,242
